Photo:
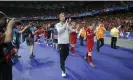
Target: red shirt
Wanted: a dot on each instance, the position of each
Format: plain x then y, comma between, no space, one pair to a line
38,31
42,30
73,34
73,37
89,34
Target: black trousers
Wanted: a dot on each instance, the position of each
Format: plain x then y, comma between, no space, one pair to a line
64,52
5,72
100,43
81,40
23,37
113,42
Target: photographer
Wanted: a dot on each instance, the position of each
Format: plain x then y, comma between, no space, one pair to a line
6,27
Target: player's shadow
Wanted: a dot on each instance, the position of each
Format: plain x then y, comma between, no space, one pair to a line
39,63
80,53
115,56
76,46
128,50
74,76
42,45
127,63
22,47
19,66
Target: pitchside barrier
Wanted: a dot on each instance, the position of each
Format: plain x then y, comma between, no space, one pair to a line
123,35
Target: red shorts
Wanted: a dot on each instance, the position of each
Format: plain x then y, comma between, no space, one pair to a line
90,45
73,38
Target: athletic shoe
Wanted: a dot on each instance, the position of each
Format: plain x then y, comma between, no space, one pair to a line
18,56
85,57
63,74
92,65
32,56
99,52
74,54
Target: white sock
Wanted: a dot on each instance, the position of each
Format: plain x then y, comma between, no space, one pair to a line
56,46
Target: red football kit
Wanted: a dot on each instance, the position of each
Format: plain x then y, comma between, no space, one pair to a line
90,39
73,37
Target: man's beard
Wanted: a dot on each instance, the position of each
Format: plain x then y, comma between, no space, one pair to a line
63,20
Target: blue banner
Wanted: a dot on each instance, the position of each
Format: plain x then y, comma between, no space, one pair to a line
123,35
120,7
130,5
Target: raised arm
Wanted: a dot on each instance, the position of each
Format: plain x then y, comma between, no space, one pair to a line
60,28
70,27
79,33
23,30
7,37
97,33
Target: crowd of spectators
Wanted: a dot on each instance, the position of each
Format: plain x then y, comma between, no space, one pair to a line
74,10
123,19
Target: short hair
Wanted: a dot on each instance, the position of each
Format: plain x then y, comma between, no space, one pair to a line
30,23
61,14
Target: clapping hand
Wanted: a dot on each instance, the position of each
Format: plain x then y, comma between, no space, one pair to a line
69,20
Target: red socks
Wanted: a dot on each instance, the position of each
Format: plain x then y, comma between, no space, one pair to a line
90,59
72,50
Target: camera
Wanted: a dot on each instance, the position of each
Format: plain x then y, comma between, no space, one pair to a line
4,20
17,22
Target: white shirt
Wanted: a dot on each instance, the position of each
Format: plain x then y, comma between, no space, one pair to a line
63,32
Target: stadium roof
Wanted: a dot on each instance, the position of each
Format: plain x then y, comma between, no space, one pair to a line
55,4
